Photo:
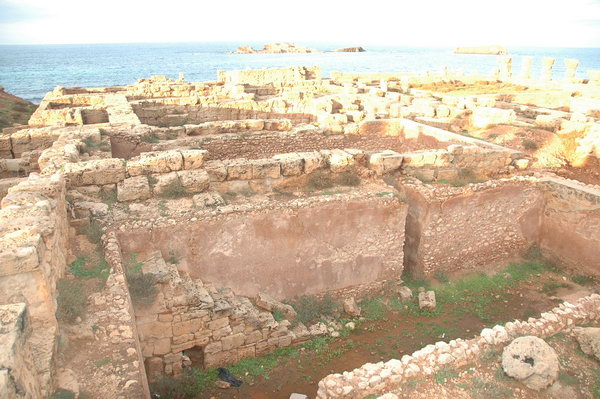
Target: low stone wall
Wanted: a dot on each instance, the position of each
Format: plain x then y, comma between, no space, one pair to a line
178,115
454,229
262,77
570,230
382,377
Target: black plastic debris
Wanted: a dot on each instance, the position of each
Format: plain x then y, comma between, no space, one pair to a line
226,376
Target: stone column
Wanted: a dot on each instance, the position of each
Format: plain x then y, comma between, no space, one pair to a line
505,68
383,84
547,64
571,69
181,77
527,62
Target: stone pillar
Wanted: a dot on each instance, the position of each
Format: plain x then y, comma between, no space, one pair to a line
594,77
505,68
383,85
571,69
181,77
547,64
527,62
404,84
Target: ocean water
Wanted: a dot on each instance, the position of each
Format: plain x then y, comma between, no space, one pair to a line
33,70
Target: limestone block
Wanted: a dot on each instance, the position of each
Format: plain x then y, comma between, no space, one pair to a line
265,168
338,160
239,169
133,189
193,159
208,199
270,304
385,162
233,341
312,161
427,300
217,170
162,346
483,117
155,162
351,308
526,67
154,366
163,182
551,121
195,180
291,164
96,172
155,329
187,327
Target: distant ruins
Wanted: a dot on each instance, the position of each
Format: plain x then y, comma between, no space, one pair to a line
236,194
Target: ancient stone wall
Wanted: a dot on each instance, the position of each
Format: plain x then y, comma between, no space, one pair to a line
457,229
382,377
301,247
18,376
33,247
261,77
177,115
570,231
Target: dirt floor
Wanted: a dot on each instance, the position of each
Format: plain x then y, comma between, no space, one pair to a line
588,173
390,329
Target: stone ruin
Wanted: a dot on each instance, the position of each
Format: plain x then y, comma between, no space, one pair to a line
202,183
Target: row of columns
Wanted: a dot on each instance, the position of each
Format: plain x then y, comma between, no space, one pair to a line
505,71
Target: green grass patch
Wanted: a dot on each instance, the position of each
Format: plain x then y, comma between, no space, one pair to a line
63,394
444,374
85,269
567,379
595,388
373,309
550,288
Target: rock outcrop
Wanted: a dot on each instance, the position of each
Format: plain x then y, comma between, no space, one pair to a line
275,48
487,50
589,340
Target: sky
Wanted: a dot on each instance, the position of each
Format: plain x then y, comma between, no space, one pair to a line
547,23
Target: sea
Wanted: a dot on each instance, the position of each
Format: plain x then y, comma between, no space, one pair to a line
30,71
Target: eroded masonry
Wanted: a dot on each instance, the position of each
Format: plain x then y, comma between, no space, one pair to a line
204,206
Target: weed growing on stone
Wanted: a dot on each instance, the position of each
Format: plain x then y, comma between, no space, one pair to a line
109,197
319,180
311,308
151,138
94,232
582,280
529,144
172,259
174,190
71,300
347,178
550,288
142,287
